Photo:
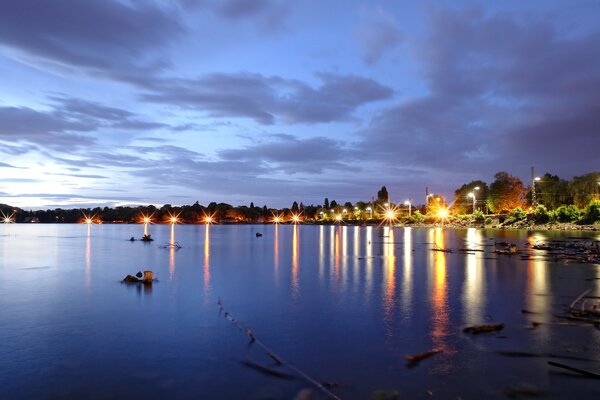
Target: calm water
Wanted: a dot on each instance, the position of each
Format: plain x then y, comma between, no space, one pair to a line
345,304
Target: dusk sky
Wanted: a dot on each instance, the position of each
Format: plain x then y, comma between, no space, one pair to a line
107,102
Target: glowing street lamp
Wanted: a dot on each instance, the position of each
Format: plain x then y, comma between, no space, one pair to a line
407,203
295,219
442,214
8,219
338,218
208,220
472,194
370,210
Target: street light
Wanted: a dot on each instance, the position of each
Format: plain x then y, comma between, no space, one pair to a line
407,203
472,194
370,210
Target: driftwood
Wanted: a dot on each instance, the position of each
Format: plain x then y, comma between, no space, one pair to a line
583,372
475,329
415,358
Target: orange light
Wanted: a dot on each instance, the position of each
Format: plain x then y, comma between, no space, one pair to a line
338,217
8,219
276,220
208,219
389,214
442,213
173,220
296,218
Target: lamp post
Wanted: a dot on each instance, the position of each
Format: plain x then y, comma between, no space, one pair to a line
407,203
472,194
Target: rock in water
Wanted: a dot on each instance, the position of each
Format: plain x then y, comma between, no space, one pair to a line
139,274
131,279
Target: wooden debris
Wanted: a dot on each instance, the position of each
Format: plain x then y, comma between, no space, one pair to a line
415,358
583,372
266,370
475,329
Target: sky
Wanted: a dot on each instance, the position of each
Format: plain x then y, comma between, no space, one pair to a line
118,102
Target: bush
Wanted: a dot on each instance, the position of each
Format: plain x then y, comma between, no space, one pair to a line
541,216
478,216
591,214
517,214
568,213
489,221
416,218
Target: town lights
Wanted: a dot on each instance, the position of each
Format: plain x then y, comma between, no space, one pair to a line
295,219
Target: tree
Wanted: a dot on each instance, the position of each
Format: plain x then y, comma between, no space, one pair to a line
463,204
333,204
382,196
550,191
251,204
326,203
506,192
585,188
295,207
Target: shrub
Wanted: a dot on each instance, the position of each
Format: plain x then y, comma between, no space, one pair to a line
541,216
568,213
489,221
517,214
591,214
478,216
416,218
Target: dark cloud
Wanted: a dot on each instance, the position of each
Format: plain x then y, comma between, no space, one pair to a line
504,92
268,14
111,37
293,155
271,99
22,124
378,34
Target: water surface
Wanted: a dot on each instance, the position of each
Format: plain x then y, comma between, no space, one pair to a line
345,304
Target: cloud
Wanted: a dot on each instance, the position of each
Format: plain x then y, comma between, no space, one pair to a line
110,37
23,124
379,33
5,165
292,155
268,100
502,89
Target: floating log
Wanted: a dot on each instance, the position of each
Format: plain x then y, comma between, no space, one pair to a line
475,329
415,358
583,372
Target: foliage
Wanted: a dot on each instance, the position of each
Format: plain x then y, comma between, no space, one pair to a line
541,215
516,214
585,188
568,213
479,216
416,218
551,191
506,193
488,221
463,204
591,214
382,195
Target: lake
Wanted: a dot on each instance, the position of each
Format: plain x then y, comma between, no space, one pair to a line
343,304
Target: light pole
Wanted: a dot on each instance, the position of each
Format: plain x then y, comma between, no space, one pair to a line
472,194
407,203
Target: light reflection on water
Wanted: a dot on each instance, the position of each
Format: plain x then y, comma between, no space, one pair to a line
350,296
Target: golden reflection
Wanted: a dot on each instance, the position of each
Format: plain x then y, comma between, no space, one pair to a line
88,257
276,254
537,282
172,252
336,259
474,286
439,299
344,238
389,274
407,278
295,260
207,260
